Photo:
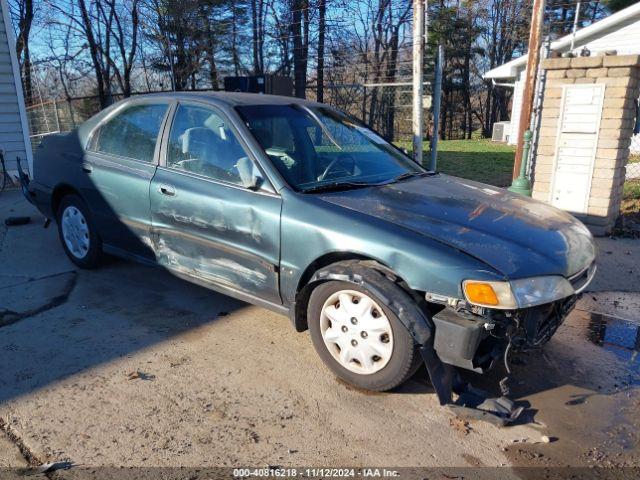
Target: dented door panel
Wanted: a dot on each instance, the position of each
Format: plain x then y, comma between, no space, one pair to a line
219,233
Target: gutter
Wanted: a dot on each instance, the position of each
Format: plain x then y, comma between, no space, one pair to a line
504,85
619,17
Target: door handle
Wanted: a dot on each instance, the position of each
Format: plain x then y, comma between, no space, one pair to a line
167,190
86,168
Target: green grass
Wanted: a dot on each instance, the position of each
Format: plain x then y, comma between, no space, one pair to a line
631,190
481,160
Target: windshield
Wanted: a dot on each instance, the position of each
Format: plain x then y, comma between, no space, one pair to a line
318,147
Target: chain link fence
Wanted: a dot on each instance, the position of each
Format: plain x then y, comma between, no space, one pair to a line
58,116
387,108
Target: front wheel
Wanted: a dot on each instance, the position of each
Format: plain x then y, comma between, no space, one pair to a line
77,232
359,338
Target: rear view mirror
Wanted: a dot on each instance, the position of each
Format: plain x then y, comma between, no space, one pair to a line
250,176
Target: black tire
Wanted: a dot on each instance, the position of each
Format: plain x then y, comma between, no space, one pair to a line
93,255
405,358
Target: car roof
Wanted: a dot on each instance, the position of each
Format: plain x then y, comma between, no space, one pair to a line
229,98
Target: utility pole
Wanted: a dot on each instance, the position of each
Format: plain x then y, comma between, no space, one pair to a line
528,95
437,97
418,57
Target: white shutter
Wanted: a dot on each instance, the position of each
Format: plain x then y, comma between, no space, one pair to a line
576,145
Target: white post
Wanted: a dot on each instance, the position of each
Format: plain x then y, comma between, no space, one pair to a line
575,26
418,43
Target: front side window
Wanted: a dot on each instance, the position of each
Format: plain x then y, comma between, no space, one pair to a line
132,133
201,142
317,147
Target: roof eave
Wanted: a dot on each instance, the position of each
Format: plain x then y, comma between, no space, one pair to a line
509,69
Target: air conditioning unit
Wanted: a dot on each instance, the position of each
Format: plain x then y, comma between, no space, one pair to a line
268,84
500,132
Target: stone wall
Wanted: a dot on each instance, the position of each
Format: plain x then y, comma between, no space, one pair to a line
620,75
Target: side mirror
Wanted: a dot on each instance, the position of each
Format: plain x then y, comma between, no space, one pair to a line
250,176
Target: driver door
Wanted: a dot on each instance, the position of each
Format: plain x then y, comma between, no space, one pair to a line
205,223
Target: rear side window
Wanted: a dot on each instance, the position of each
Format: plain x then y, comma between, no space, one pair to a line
132,133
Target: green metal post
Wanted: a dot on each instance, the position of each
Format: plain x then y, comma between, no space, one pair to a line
522,185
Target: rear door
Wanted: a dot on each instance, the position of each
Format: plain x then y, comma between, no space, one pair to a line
206,224
120,160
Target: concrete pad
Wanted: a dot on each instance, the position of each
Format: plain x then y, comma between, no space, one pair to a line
618,265
34,296
623,305
22,258
10,456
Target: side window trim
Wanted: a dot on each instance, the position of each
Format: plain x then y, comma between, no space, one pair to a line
111,115
164,150
163,137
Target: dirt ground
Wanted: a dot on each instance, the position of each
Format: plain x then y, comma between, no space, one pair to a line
128,366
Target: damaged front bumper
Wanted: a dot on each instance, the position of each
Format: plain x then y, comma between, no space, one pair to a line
476,340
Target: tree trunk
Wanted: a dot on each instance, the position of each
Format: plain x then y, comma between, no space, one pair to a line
377,61
254,36
135,20
299,60
322,7
235,58
389,93
94,53
209,46
257,22
23,50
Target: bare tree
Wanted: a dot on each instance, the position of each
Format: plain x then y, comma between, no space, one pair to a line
236,18
122,26
300,32
505,27
258,14
23,13
209,42
322,26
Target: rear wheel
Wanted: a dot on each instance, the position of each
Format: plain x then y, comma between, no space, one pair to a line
359,338
77,233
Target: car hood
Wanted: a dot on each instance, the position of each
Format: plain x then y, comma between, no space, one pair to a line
517,236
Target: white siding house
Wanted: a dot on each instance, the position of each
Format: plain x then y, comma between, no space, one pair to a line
14,131
619,32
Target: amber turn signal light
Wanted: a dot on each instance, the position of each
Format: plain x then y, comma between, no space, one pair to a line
480,293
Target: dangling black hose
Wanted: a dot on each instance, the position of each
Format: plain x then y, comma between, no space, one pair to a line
504,383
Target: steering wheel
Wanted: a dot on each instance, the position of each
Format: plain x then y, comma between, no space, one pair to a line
333,162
